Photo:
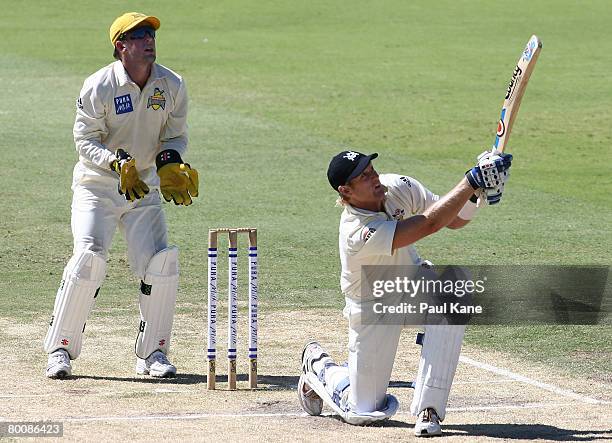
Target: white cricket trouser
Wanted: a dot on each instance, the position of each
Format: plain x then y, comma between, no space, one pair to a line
372,346
372,349
98,209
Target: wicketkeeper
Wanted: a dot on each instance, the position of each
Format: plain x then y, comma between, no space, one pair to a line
131,136
384,215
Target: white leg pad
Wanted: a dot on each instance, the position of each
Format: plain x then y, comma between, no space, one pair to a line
439,358
75,298
157,300
340,406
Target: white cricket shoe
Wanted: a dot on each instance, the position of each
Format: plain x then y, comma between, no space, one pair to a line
58,364
312,352
311,403
428,424
309,399
155,365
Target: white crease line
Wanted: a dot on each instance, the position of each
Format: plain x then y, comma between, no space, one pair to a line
494,407
289,414
180,417
509,407
530,381
484,382
103,394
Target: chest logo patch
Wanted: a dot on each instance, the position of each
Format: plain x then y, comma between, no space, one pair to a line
123,104
157,100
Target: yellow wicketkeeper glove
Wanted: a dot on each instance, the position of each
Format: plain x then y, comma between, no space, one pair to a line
178,181
130,184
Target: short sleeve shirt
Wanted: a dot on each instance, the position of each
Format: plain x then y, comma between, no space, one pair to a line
366,237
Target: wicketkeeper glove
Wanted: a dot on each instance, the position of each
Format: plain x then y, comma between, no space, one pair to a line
130,184
490,175
178,181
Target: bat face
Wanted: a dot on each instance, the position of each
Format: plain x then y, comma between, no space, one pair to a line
514,92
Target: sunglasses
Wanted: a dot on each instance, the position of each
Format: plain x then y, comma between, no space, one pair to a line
139,33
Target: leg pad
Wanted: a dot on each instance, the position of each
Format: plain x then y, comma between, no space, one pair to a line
157,300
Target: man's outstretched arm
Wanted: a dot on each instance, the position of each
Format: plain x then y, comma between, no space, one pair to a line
436,217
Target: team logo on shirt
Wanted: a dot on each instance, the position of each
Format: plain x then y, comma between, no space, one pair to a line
368,233
157,100
406,180
79,103
123,104
398,214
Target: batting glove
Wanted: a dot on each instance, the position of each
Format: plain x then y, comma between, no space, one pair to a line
178,181
130,184
490,174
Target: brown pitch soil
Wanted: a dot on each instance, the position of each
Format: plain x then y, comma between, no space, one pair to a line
105,399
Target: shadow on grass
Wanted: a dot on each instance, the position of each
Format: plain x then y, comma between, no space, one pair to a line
532,432
265,382
272,382
525,431
180,379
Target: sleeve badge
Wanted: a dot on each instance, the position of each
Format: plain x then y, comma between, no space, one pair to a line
367,233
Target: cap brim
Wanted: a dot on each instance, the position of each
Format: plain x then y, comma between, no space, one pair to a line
363,163
151,20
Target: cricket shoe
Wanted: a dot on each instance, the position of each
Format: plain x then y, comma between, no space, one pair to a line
58,364
312,353
428,424
155,365
311,403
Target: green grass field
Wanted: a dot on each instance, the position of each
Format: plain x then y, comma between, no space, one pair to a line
277,88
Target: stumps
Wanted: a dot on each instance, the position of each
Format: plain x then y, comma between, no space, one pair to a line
232,304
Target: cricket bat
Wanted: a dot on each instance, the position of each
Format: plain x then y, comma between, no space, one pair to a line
515,91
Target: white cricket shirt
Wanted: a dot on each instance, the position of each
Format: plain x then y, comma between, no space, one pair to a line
112,112
366,237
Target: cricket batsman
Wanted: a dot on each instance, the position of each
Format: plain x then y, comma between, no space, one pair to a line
383,216
131,135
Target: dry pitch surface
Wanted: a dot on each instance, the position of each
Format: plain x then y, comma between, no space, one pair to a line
494,396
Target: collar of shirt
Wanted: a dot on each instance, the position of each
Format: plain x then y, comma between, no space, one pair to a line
123,78
358,212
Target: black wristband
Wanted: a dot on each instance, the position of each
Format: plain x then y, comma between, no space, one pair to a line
471,180
167,156
474,199
121,156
